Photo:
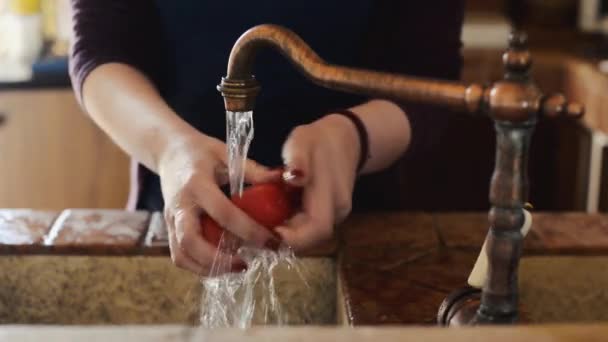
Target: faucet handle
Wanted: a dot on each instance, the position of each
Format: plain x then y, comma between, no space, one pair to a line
557,105
518,40
517,60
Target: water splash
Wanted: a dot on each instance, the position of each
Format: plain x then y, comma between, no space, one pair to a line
250,297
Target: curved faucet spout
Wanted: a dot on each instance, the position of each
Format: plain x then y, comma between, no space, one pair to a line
239,86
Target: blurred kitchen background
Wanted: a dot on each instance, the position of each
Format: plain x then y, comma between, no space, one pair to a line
53,157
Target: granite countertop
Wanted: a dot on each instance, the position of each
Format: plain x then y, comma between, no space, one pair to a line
100,232
396,268
393,268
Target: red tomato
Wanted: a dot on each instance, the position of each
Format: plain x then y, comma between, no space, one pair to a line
212,232
269,204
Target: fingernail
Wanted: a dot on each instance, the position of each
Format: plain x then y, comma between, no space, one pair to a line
293,174
297,173
273,244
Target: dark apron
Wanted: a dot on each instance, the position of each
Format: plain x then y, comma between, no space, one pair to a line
197,38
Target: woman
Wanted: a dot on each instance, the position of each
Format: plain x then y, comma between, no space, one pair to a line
146,71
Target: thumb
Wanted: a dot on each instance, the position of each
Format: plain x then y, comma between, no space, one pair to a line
296,157
304,232
257,173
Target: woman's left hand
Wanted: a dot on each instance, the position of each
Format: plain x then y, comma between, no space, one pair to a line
321,157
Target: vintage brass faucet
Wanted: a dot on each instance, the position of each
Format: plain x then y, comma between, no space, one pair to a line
514,104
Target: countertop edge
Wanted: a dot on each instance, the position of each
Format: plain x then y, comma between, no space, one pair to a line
160,333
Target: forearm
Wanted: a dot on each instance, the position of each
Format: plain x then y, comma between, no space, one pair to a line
389,132
126,105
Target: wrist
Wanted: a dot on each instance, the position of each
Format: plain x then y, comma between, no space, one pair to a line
361,137
175,143
349,136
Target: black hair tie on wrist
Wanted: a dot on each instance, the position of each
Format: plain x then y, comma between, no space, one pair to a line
363,136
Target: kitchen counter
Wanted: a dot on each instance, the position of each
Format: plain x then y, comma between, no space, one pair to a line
561,333
394,268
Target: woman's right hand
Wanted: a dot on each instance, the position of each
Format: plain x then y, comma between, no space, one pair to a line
191,171
190,164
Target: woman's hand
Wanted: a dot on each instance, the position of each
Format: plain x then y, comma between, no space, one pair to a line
191,172
321,157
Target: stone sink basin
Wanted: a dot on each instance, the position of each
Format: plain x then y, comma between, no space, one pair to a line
121,290
100,266
44,289
564,289
558,283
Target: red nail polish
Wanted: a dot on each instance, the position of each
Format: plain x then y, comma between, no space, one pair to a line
291,175
297,173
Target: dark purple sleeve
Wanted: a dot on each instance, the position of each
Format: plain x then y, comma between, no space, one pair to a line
107,31
418,38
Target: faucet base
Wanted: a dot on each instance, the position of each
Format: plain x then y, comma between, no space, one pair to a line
463,307
482,317
459,307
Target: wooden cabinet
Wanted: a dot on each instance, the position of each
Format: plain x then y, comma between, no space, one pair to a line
52,156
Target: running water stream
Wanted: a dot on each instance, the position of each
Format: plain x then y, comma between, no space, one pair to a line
249,297
239,134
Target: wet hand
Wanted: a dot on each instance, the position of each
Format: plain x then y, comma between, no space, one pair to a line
322,158
191,173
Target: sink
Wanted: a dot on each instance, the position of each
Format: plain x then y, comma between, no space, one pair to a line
120,290
43,289
564,289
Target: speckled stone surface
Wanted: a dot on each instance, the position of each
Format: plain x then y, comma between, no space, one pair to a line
137,290
565,289
462,229
405,289
156,241
24,226
387,269
551,233
307,297
98,227
397,268
411,229
95,290
578,233
116,232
